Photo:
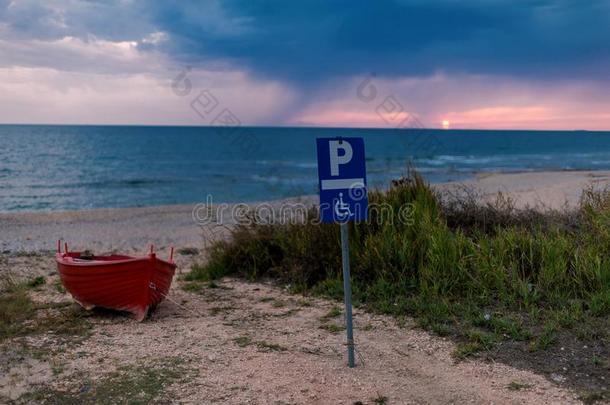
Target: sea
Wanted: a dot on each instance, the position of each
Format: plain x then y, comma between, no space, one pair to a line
55,167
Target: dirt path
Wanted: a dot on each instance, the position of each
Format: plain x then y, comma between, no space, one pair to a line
403,364
236,342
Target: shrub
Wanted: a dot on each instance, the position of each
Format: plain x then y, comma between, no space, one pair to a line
455,257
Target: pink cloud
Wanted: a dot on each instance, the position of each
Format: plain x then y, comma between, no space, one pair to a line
534,117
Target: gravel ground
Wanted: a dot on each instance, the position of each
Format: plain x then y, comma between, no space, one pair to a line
256,343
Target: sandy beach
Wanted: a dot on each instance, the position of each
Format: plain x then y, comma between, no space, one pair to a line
542,190
241,342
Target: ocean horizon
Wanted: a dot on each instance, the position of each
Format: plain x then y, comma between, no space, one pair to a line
73,167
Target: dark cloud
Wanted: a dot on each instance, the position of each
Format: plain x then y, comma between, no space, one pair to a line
311,41
317,39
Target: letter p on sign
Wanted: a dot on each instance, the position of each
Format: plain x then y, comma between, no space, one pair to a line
335,159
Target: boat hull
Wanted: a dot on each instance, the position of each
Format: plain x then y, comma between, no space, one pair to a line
132,284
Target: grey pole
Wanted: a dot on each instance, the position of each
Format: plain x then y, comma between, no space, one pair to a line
347,290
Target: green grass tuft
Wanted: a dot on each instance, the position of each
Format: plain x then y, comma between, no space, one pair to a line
332,313
465,350
518,386
16,307
380,400
20,316
270,347
243,341
332,327
134,384
594,396
59,287
209,272
36,282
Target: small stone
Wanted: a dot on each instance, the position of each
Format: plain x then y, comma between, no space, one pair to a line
558,378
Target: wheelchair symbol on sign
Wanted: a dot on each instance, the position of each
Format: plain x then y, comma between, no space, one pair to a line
342,210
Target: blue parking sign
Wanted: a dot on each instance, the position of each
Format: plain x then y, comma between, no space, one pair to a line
342,179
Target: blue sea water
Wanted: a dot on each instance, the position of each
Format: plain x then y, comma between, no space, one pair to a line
80,167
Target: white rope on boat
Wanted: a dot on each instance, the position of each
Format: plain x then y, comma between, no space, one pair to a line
152,286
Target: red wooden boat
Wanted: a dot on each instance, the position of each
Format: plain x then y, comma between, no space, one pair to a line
124,283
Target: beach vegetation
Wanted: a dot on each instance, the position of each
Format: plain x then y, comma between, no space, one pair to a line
36,282
270,347
278,303
518,386
304,303
332,327
477,269
594,396
21,316
59,287
380,399
16,307
334,312
134,384
243,341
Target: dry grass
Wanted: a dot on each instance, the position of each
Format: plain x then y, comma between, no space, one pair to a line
20,316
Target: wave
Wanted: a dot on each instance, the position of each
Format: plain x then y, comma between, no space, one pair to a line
122,183
527,159
288,163
290,181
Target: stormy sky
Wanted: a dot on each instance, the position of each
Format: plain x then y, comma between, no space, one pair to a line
535,64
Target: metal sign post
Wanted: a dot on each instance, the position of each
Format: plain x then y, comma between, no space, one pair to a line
343,198
347,292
